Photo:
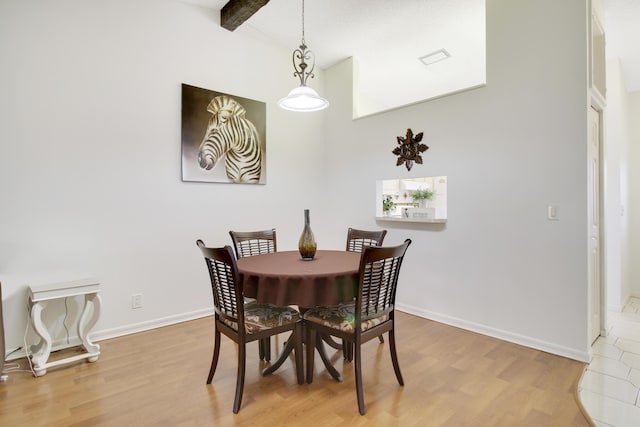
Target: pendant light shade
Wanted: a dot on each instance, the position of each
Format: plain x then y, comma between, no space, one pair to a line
303,98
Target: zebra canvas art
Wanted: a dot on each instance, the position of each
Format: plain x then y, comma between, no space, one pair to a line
223,137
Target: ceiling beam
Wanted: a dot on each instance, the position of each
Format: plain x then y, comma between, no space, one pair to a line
235,12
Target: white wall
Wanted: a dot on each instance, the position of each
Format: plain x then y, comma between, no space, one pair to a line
615,157
90,166
90,154
509,149
634,194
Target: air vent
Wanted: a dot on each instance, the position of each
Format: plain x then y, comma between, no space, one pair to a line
433,57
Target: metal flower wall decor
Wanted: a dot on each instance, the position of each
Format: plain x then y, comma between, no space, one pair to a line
409,149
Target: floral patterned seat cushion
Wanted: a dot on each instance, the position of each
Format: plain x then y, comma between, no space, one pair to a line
258,317
342,317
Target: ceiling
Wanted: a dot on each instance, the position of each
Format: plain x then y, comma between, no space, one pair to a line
386,38
622,29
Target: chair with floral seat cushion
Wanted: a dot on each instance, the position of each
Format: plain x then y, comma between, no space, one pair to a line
370,315
250,243
244,323
357,240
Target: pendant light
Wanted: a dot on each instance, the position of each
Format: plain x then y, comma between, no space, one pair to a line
303,98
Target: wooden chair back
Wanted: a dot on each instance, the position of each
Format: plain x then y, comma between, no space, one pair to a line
357,240
378,276
250,243
225,283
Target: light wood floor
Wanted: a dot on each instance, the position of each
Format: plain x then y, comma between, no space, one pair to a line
157,378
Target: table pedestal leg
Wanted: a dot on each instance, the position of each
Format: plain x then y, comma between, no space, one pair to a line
325,359
42,350
331,342
85,325
288,348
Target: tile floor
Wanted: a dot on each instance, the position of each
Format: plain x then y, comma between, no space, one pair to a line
610,387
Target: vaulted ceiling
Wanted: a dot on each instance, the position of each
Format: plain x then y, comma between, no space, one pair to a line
622,29
386,38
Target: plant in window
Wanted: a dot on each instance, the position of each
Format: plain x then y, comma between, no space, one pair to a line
387,204
421,195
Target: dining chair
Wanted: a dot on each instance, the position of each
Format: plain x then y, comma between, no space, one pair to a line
370,315
357,240
250,243
244,323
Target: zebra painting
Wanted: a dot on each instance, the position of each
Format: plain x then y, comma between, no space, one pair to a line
223,137
230,132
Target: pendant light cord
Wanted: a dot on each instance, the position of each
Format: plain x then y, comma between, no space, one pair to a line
303,22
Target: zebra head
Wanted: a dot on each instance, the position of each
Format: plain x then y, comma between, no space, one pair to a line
230,133
225,112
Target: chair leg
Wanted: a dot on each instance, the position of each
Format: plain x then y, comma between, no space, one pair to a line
264,349
394,356
242,348
216,355
358,374
297,336
347,351
311,348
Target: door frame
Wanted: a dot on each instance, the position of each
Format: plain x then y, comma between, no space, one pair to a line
597,104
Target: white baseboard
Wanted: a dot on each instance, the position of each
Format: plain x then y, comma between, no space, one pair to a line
122,331
615,308
149,324
438,317
619,308
498,333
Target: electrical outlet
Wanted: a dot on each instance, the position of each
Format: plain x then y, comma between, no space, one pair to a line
136,301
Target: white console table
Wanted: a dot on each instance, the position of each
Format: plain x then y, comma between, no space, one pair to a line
39,296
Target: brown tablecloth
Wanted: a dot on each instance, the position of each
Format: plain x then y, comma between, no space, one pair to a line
283,278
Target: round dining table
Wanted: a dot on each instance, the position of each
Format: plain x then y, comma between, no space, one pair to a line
284,278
